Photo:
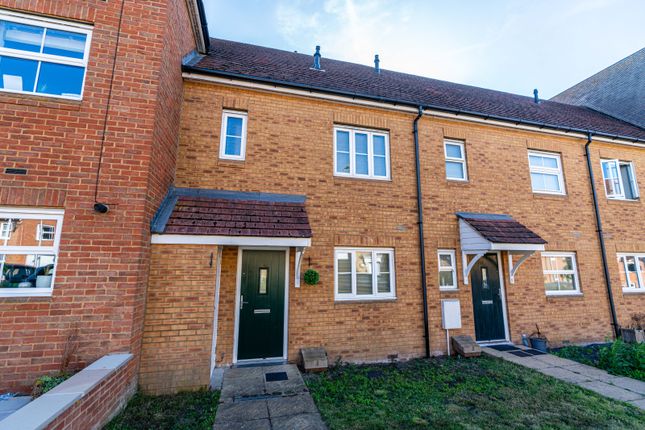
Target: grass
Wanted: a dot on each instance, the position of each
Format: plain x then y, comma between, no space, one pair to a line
187,410
485,393
617,358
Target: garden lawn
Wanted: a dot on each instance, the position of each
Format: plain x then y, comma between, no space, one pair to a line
187,410
460,393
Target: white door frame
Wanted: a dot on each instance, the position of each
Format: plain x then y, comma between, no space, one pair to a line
238,291
502,292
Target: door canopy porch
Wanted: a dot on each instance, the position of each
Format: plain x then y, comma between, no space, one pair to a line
221,217
481,233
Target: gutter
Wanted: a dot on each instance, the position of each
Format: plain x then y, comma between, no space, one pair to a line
601,239
422,246
399,102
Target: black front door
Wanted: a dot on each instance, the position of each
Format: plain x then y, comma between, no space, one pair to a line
487,299
261,331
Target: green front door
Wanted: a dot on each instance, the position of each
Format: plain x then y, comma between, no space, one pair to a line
487,300
261,330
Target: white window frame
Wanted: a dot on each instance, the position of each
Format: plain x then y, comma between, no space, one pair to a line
370,153
573,272
461,160
452,268
226,114
640,275
618,163
39,214
53,24
375,294
548,170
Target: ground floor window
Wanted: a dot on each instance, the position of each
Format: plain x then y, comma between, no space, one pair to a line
632,271
560,273
447,269
28,250
364,274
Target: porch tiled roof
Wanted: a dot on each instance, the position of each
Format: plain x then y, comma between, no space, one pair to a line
498,228
226,213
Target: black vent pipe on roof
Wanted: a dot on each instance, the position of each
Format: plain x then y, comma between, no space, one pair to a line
317,58
536,99
422,246
601,239
377,62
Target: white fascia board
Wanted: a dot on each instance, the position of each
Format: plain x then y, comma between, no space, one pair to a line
183,239
392,106
517,247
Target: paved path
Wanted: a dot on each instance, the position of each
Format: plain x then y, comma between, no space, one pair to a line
250,400
616,387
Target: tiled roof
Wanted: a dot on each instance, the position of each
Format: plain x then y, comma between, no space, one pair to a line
225,213
500,228
266,64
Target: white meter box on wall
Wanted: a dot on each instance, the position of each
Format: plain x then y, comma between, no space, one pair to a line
450,314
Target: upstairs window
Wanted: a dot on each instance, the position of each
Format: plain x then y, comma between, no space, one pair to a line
28,251
361,153
232,144
619,179
364,274
43,56
455,160
632,272
546,173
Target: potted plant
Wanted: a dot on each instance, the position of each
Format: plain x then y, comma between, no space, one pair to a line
636,331
538,340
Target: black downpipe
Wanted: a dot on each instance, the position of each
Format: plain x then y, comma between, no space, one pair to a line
601,238
422,246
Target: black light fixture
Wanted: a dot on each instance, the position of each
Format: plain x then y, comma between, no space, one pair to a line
101,207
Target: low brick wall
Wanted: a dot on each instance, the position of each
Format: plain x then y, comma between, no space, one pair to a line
87,400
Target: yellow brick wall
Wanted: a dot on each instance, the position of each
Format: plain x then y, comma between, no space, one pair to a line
290,150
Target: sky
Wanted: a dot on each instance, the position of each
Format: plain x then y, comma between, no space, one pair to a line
506,45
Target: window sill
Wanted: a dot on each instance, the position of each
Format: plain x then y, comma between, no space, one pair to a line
364,300
362,178
540,194
448,290
452,181
619,201
231,162
557,295
629,291
9,293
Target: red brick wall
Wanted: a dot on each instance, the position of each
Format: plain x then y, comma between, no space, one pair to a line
102,403
102,265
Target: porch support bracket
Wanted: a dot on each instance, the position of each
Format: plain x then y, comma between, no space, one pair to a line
513,268
300,252
469,266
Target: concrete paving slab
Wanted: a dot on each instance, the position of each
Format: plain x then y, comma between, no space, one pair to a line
565,375
553,360
299,422
630,384
291,405
249,410
611,391
591,372
263,424
638,403
529,362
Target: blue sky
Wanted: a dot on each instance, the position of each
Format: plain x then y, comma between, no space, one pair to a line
507,45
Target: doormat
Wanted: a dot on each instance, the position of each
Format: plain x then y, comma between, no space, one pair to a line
504,347
534,352
519,353
276,376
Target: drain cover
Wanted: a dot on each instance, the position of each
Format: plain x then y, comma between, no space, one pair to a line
276,376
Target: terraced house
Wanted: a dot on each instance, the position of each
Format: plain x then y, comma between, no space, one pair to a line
241,167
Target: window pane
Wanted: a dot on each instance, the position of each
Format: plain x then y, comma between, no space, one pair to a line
361,143
610,175
234,126
557,263
566,283
60,79
641,265
362,164
453,151
550,162
454,170
363,273
632,276
342,162
545,182
535,161
27,271
363,283
446,278
383,261
379,145
383,281
380,168
343,262
551,282
27,232
621,272
628,183
445,260
64,43
18,74
233,146
342,141
20,36
345,283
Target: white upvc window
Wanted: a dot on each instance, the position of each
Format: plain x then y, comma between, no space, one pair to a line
546,173
447,269
43,56
632,272
364,274
455,152
619,179
361,153
232,145
27,255
560,273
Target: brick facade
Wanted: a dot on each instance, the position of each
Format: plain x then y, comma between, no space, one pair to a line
290,150
103,258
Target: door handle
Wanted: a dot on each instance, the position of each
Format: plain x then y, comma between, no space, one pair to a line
242,302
